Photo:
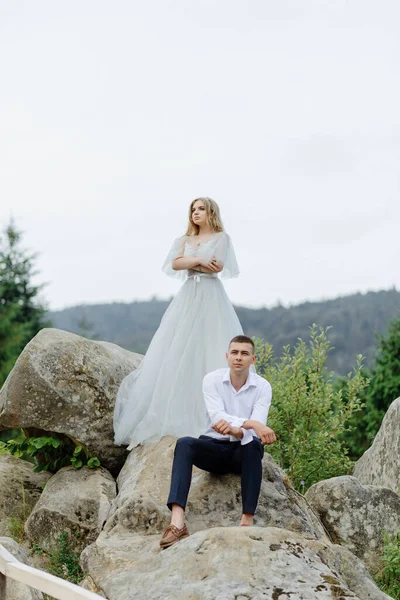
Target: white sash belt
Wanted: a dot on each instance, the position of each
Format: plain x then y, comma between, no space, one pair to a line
197,276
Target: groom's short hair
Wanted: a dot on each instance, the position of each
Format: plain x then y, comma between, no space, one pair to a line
242,339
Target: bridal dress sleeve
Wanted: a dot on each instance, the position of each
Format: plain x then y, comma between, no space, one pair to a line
225,254
178,248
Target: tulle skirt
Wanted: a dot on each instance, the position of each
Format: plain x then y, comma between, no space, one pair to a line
164,395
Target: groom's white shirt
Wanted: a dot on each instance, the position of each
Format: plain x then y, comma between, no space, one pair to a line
222,401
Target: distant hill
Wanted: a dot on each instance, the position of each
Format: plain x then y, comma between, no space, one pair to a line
355,321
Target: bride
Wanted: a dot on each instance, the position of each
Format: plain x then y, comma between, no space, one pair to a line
164,395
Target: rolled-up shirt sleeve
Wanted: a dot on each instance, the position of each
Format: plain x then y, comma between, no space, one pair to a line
215,405
247,436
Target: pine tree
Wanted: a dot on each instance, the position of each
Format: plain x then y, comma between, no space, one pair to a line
12,335
21,313
385,380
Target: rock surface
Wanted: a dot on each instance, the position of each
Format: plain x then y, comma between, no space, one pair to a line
20,489
380,464
67,384
235,563
356,516
144,481
76,501
14,589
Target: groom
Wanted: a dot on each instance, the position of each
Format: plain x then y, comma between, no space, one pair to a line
237,402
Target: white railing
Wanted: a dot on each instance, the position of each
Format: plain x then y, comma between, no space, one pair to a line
56,587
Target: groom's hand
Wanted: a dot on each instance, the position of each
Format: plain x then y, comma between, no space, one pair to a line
226,428
222,427
265,433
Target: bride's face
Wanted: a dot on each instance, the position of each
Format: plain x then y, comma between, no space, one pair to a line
199,213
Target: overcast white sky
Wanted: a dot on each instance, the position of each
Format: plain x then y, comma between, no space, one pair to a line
114,115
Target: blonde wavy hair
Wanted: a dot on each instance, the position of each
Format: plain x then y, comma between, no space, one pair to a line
214,218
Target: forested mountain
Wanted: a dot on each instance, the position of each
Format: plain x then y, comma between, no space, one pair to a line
355,321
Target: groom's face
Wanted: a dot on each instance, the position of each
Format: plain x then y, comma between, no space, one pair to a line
240,356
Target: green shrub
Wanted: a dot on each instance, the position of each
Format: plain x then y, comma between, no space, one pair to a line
64,560
384,388
389,577
49,452
356,438
385,377
308,415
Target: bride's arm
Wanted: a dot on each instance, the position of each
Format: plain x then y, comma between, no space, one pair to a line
209,266
197,264
202,269
185,262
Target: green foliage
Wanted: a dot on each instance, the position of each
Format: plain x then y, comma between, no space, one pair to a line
356,437
17,528
49,452
383,389
307,413
385,379
16,273
8,434
93,462
19,518
12,335
21,314
389,577
64,561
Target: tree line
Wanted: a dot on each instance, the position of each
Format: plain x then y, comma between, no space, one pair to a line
354,322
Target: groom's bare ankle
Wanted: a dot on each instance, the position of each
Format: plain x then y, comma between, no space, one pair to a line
179,523
177,516
247,520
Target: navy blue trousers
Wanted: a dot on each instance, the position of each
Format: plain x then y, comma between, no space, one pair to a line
219,457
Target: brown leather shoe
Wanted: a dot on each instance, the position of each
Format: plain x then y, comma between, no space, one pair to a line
172,535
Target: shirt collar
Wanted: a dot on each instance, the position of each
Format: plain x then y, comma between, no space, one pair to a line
251,379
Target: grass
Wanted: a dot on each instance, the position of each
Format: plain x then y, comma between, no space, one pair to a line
18,520
64,561
388,579
17,528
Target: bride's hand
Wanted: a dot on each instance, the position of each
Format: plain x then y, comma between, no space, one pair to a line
211,264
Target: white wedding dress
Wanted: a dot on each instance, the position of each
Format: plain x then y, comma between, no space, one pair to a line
164,395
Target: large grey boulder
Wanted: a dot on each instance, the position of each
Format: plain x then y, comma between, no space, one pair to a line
20,489
380,464
233,563
14,589
219,561
213,501
67,384
357,516
75,501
